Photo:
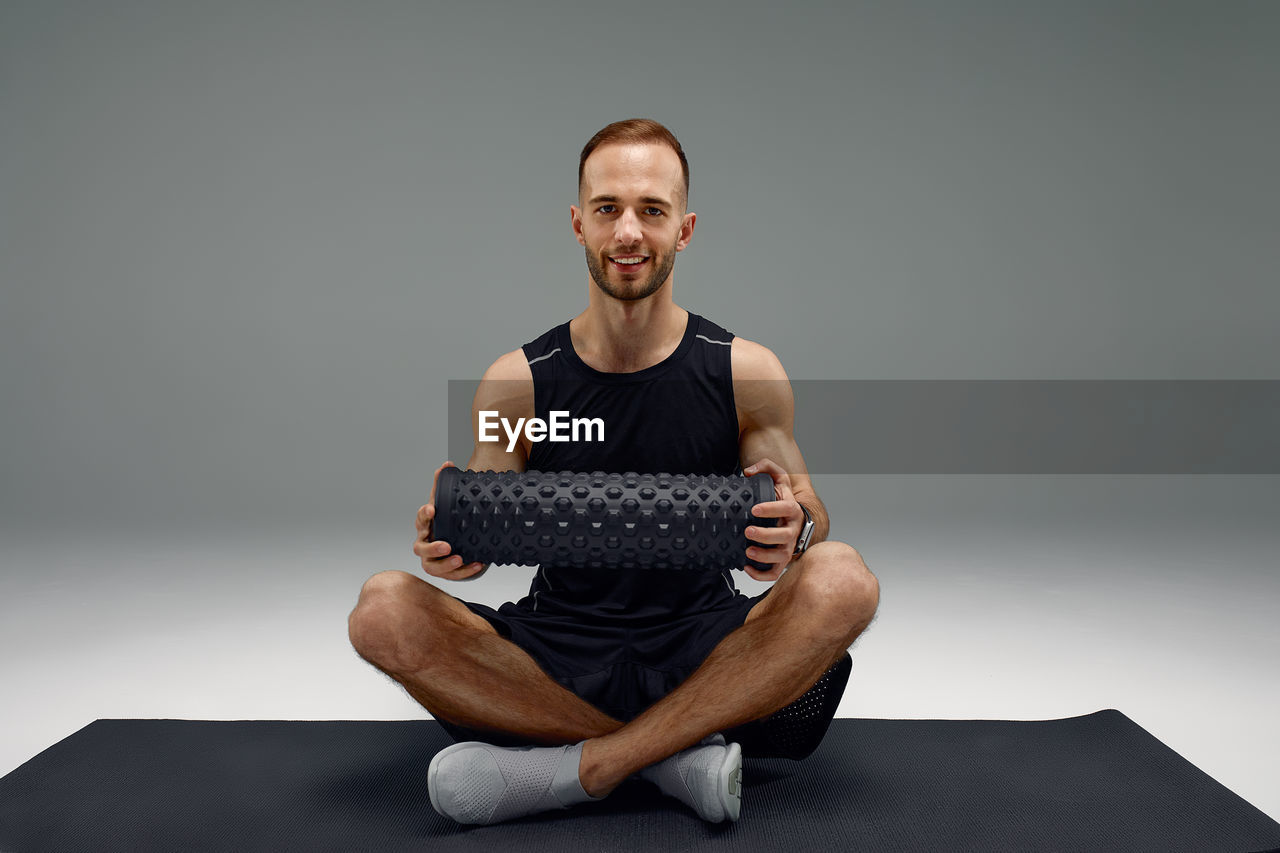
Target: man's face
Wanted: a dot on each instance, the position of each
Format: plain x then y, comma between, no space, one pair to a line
632,221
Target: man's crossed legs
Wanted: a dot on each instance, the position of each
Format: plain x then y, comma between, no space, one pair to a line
457,666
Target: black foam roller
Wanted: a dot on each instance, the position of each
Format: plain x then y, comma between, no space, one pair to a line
599,520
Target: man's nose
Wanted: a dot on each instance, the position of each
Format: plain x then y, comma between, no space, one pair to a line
627,229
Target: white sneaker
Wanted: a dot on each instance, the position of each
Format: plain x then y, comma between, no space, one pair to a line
475,782
706,777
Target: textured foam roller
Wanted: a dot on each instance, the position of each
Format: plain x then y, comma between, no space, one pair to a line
598,520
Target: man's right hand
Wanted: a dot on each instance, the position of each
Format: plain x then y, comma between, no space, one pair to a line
438,559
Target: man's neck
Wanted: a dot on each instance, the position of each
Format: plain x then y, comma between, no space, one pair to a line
623,337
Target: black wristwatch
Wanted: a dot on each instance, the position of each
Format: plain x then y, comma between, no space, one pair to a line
806,533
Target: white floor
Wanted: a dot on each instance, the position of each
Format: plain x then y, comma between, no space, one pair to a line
1006,598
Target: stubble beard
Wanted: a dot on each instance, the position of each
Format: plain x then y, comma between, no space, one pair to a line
634,291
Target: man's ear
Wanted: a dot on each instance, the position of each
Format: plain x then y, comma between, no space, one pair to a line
686,230
575,222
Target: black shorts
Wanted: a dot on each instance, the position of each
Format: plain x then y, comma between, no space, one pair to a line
619,667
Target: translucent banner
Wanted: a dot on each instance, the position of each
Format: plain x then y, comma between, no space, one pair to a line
985,426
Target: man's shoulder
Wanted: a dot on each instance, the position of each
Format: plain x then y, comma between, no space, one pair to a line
509,366
750,360
755,361
507,387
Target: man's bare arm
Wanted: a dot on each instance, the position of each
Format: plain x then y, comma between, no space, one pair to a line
505,388
766,419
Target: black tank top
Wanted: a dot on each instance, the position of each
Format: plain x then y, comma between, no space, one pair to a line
676,417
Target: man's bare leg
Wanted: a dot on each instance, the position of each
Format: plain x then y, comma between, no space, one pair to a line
812,615
457,666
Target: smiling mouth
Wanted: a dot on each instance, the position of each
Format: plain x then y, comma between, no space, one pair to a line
629,263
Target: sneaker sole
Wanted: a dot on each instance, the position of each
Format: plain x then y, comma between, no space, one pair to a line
731,782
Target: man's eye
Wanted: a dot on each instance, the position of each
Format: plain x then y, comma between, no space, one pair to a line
606,208
653,211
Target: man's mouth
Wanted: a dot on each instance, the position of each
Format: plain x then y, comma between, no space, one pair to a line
629,263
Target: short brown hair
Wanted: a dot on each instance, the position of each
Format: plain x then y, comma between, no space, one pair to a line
636,131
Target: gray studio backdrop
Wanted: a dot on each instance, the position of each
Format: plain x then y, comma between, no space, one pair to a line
244,246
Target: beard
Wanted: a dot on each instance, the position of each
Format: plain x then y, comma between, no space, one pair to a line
632,291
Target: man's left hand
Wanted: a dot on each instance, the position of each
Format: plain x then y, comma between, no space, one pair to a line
780,540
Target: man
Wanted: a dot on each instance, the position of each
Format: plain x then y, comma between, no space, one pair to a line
624,672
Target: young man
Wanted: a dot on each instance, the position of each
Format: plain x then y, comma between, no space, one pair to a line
624,672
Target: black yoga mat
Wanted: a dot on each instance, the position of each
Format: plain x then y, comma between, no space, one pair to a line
1098,782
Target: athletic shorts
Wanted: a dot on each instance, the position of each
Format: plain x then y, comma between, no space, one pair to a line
619,667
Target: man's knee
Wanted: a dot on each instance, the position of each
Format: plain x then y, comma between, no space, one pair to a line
389,608
836,585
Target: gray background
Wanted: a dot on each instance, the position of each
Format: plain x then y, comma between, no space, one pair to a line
243,247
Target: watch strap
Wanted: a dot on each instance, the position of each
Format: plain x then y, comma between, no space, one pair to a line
806,532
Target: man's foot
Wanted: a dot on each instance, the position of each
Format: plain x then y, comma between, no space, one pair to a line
476,782
706,777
